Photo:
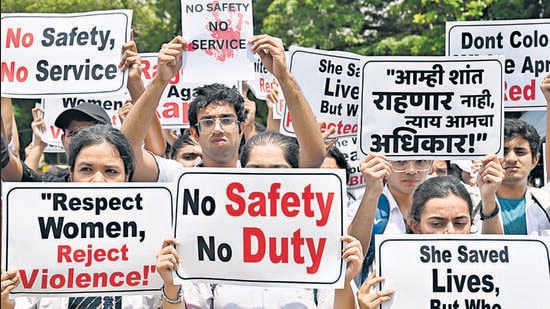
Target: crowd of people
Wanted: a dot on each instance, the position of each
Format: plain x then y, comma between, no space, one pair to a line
399,197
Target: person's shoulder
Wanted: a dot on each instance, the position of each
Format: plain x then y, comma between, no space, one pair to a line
169,170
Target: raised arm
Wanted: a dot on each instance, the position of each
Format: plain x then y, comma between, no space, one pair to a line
353,255
489,179
374,168
38,125
272,54
139,119
131,61
167,261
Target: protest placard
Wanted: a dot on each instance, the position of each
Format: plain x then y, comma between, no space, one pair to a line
60,54
524,43
261,226
217,34
432,107
85,238
331,83
464,271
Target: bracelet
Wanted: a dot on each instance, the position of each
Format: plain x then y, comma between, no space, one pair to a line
491,215
172,301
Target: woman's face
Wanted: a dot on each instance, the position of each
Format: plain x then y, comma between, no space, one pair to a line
99,163
448,215
267,156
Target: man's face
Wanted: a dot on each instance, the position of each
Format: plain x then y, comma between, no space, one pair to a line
73,128
517,161
219,143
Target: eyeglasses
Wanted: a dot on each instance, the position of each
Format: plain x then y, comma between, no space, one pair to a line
208,124
419,165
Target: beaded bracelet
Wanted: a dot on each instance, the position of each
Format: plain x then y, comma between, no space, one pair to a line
491,215
172,301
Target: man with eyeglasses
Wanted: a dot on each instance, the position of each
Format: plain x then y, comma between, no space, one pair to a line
217,114
390,185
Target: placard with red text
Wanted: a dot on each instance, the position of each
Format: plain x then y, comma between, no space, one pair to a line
217,34
261,226
85,238
331,83
60,54
525,44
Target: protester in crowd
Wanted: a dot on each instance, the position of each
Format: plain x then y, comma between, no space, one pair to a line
442,205
216,114
440,168
523,209
98,153
389,185
186,150
394,199
271,149
336,159
71,121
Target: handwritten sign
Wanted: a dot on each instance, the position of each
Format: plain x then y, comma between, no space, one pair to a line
331,83
217,34
84,238
60,54
432,107
524,43
464,271
268,227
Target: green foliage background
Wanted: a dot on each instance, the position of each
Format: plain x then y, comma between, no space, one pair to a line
374,27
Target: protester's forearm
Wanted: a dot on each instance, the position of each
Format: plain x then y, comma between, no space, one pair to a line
139,119
344,298
154,141
361,225
33,158
312,147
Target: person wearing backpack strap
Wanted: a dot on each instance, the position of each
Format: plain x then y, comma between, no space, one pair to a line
390,185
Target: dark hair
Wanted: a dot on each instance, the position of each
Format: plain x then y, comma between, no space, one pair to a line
184,139
215,93
100,134
438,187
289,146
340,159
516,127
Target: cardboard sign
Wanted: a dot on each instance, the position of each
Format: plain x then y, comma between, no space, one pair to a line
277,227
60,54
